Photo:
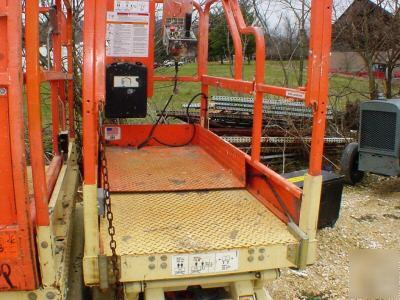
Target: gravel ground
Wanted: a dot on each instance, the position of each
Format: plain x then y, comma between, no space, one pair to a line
369,218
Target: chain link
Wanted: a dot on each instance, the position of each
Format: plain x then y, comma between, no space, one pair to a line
109,214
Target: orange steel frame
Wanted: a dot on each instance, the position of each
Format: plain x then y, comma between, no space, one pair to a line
315,93
19,215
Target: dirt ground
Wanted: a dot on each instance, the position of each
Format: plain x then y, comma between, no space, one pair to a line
369,218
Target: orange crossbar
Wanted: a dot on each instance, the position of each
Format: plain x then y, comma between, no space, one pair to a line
281,91
55,76
240,86
179,78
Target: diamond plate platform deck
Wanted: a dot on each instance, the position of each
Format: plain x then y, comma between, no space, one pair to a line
158,169
158,223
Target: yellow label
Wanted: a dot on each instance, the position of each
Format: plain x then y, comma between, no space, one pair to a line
296,179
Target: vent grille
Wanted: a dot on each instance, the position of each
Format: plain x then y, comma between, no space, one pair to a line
378,130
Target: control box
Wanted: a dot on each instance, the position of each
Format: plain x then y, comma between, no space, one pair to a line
126,90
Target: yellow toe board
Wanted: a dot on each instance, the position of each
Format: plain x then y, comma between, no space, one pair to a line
156,223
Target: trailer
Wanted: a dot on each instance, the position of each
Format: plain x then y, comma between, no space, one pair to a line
166,208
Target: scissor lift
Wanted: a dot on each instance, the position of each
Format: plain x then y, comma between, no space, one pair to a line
197,212
187,208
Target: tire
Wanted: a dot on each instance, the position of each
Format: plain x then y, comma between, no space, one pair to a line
349,165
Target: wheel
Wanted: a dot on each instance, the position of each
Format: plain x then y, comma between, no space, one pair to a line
349,165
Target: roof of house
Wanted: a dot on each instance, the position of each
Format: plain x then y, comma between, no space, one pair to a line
360,16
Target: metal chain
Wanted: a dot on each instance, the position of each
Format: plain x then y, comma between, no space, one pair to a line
109,214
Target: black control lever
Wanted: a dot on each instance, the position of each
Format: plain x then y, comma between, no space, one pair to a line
188,24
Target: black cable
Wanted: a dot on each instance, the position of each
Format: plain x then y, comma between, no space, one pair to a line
175,91
153,128
193,124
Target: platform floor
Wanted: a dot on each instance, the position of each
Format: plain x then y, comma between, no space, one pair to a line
166,169
178,222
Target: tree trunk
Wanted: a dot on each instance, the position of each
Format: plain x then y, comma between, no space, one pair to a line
373,92
303,39
302,54
221,57
388,82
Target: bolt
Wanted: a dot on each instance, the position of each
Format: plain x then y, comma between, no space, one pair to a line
163,265
44,244
152,258
261,257
3,91
152,266
32,296
164,258
250,258
50,295
261,250
251,251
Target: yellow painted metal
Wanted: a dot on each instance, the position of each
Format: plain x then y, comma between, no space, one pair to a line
151,223
250,259
309,212
242,290
91,229
46,234
258,279
40,294
45,242
151,228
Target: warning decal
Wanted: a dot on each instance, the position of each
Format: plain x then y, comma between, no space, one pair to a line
203,263
295,94
131,6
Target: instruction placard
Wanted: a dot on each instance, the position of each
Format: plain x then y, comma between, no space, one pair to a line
127,40
203,263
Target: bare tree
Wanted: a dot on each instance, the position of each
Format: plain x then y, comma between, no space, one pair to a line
300,9
373,31
288,36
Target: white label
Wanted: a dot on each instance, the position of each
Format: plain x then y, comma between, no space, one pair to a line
112,133
126,18
294,94
226,261
126,81
127,40
131,6
203,263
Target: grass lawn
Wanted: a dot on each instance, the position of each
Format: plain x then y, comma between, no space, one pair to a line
342,88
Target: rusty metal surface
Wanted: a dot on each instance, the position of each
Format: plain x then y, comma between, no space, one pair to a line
152,169
157,223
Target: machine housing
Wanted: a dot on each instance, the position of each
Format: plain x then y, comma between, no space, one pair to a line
379,137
